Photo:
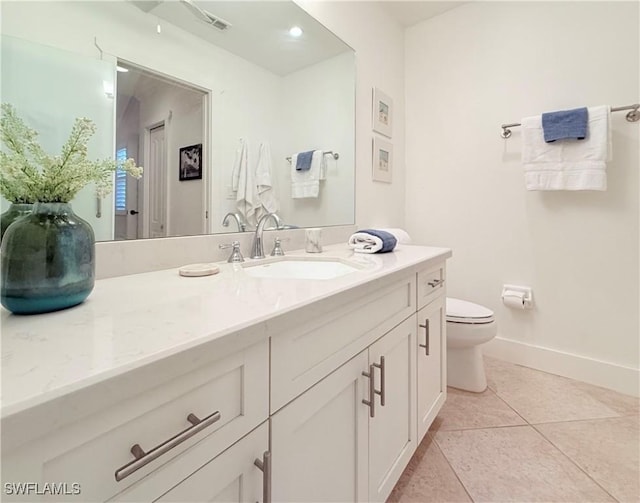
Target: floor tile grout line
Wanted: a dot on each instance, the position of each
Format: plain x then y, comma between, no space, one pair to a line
572,461
433,438
509,405
608,418
471,428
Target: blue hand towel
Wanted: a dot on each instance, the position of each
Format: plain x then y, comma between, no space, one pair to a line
565,124
372,241
303,161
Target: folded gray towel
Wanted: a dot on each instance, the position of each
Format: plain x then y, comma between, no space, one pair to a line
303,161
565,124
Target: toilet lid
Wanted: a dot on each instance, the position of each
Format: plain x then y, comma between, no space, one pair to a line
462,311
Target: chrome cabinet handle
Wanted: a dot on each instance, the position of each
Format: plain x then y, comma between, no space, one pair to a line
382,392
143,458
372,391
264,465
426,342
435,282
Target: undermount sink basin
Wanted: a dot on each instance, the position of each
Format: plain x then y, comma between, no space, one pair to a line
301,268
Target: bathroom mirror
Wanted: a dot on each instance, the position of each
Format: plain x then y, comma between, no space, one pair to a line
180,86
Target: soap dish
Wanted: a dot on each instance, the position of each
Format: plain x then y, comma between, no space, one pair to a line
194,270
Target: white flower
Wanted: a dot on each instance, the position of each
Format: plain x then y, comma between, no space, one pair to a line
28,174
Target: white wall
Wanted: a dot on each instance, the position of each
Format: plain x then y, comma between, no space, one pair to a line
317,112
487,63
379,44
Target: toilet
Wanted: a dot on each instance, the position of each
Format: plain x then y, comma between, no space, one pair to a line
468,326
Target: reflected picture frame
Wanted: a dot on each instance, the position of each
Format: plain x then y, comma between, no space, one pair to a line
382,168
382,113
190,163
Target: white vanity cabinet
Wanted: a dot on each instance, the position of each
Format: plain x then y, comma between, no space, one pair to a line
350,436
431,362
324,402
231,477
177,428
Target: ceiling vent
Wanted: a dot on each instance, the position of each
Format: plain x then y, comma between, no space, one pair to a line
207,17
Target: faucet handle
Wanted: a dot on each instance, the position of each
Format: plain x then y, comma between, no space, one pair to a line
235,256
277,247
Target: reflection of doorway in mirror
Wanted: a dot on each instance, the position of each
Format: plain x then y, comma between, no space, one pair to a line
156,117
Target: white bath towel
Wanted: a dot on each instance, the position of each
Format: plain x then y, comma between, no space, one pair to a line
247,195
307,183
264,183
400,234
567,164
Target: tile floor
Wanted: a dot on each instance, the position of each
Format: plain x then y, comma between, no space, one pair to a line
531,436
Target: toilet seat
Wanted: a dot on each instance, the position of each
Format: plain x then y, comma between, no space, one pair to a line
462,311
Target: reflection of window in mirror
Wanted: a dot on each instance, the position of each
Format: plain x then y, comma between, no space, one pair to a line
120,186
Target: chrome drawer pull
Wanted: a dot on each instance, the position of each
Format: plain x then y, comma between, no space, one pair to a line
382,392
426,342
435,282
143,458
264,465
372,391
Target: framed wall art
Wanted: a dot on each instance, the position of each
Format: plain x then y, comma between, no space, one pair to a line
191,162
382,112
382,160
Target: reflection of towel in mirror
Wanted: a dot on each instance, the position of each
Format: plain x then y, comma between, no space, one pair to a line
266,192
241,157
247,193
307,183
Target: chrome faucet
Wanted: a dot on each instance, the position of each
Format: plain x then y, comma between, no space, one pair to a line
238,218
257,249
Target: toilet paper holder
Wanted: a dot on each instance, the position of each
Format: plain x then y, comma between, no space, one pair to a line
517,296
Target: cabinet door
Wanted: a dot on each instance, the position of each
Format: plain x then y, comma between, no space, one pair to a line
431,362
392,430
231,477
319,441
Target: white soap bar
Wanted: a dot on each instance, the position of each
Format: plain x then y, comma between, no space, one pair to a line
194,270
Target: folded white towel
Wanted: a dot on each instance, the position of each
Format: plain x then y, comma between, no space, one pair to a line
400,234
362,242
307,183
266,192
567,164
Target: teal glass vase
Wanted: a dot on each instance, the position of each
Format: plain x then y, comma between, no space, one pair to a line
47,262
15,211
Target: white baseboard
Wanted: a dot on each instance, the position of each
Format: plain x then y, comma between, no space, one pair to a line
608,375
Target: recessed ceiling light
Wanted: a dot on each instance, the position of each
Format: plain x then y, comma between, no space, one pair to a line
295,31
122,69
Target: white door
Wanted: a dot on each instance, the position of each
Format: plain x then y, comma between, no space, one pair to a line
392,430
431,362
156,174
230,477
319,441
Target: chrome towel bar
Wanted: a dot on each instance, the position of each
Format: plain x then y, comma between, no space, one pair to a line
632,116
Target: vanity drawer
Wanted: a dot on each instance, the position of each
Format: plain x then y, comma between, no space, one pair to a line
229,396
431,283
305,352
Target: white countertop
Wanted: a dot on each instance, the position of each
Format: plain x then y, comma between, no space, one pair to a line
130,321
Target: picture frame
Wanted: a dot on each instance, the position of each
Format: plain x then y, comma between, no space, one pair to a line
382,113
190,166
382,160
